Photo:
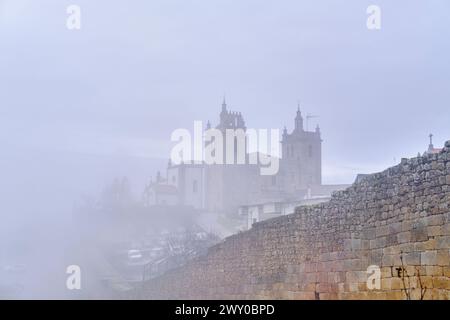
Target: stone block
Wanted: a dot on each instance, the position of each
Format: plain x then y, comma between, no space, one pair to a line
378,243
428,245
396,283
428,258
441,283
369,234
362,286
365,244
395,227
446,228
435,220
375,257
328,296
446,271
443,258
356,244
427,281
323,287
386,283
407,225
403,237
388,260
353,287
391,240
303,295
434,231
308,287
352,265
386,272
419,234
412,258
395,295
443,242
356,276
382,231
433,271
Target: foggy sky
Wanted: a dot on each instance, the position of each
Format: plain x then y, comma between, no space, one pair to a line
78,108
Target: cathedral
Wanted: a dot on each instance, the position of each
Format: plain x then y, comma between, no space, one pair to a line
224,188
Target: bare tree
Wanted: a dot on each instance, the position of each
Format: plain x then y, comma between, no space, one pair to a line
423,289
406,280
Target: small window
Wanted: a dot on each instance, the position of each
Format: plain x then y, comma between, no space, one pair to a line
195,186
174,179
310,151
274,180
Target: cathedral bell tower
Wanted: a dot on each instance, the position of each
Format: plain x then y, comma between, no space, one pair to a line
298,121
301,157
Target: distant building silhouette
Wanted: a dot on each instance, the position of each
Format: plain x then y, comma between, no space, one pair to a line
224,188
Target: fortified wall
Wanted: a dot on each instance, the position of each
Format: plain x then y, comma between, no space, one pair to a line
398,220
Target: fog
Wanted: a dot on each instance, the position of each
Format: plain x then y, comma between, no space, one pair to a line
81,108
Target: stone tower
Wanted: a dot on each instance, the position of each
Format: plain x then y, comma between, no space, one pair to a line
230,119
228,185
301,162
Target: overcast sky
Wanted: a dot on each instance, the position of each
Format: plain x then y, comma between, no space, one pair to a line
80,107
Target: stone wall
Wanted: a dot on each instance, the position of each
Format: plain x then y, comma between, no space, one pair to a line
323,251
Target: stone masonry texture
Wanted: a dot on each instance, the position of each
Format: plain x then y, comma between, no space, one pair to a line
398,220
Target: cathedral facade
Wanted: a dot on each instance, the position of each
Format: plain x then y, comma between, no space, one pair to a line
223,188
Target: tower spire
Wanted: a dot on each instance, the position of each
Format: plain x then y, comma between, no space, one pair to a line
224,103
298,119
